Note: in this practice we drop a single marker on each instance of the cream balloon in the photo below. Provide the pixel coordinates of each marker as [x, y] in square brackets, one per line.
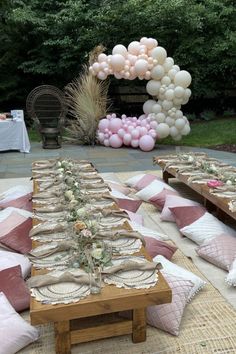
[169, 94]
[170, 121]
[174, 131]
[120, 49]
[147, 107]
[183, 78]
[160, 54]
[156, 108]
[180, 123]
[179, 91]
[186, 130]
[162, 130]
[172, 73]
[166, 80]
[102, 57]
[160, 117]
[168, 64]
[157, 72]
[117, 62]
[167, 105]
[141, 66]
[153, 87]
[133, 48]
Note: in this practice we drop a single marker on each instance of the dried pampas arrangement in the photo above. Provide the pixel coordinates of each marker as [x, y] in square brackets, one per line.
[87, 102]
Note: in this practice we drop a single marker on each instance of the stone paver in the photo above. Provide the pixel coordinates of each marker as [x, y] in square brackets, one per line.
[16, 164]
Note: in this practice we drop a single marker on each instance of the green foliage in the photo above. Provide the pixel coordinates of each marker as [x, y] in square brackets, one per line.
[47, 41]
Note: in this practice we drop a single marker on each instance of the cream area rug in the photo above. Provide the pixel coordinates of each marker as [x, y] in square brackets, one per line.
[209, 322]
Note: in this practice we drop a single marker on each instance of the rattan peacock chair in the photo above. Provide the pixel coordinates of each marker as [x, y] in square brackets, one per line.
[45, 104]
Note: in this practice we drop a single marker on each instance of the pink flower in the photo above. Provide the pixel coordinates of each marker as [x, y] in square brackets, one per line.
[214, 183]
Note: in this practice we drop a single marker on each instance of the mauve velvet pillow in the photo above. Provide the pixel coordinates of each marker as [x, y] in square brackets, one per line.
[14, 287]
[18, 238]
[155, 247]
[220, 251]
[186, 215]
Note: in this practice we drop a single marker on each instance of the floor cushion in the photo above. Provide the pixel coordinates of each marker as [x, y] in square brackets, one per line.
[186, 215]
[157, 247]
[174, 201]
[11, 259]
[141, 181]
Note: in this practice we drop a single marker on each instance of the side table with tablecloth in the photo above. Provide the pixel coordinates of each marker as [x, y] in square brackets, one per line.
[14, 136]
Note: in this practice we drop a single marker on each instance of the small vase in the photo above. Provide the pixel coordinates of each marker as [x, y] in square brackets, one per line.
[95, 280]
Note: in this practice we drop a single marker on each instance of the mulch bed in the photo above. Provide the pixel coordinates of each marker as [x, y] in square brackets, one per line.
[225, 147]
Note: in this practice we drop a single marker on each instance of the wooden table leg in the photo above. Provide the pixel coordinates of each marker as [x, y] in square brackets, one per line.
[62, 337]
[139, 325]
[166, 175]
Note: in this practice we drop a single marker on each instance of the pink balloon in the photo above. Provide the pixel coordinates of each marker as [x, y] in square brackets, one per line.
[148, 126]
[110, 133]
[125, 126]
[115, 125]
[121, 133]
[106, 130]
[115, 141]
[134, 119]
[153, 124]
[106, 135]
[130, 129]
[143, 123]
[127, 139]
[143, 131]
[106, 142]
[146, 143]
[152, 133]
[134, 143]
[135, 134]
[103, 125]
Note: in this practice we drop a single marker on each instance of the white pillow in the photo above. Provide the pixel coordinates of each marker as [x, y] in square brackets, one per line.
[12, 259]
[6, 212]
[15, 192]
[131, 182]
[173, 201]
[15, 333]
[231, 277]
[152, 189]
[145, 231]
[174, 269]
[206, 228]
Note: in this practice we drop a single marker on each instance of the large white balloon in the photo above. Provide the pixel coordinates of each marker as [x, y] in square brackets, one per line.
[162, 130]
[141, 66]
[157, 72]
[147, 107]
[120, 49]
[153, 87]
[159, 53]
[183, 78]
[117, 62]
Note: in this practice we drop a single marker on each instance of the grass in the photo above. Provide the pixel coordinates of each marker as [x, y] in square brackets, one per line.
[203, 134]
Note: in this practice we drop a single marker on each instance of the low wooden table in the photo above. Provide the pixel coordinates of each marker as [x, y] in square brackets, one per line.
[96, 316]
[210, 200]
[109, 301]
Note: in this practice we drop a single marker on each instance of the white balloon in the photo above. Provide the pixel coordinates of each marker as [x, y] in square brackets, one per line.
[141, 66]
[117, 62]
[179, 91]
[157, 72]
[185, 100]
[133, 48]
[167, 105]
[96, 67]
[174, 131]
[176, 67]
[102, 57]
[169, 94]
[147, 107]
[180, 123]
[170, 121]
[178, 114]
[187, 93]
[150, 44]
[177, 101]
[120, 49]
[156, 108]
[168, 64]
[186, 129]
[162, 130]
[153, 87]
[172, 73]
[160, 117]
[177, 137]
[166, 80]
[160, 54]
[183, 78]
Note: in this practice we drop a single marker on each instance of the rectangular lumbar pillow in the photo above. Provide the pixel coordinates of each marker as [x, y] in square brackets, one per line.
[174, 201]
[15, 332]
[186, 215]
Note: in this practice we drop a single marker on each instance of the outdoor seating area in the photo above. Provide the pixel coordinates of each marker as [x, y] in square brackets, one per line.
[196, 279]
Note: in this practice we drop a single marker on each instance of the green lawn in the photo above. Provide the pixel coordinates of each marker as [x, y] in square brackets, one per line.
[203, 134]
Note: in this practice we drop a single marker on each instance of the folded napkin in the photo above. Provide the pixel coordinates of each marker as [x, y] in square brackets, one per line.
[111, 212]
[48, 227]
[53, 247]
[48, 279]
[51, 208]
[105, 196]
[131, 265]
[114, 235]
[95, 185]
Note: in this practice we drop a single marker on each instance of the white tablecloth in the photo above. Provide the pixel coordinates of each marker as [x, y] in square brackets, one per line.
[14, 136]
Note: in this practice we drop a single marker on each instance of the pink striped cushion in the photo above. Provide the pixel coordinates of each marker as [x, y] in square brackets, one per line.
[135, 217]
[129, 204]
[156, 247]
[145, 181]
[18, 238]
[159, 199]
[186, 215]
[12, 221]
[23, 202]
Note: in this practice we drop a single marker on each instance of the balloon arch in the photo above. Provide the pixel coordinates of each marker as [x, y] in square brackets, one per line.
[166, 83]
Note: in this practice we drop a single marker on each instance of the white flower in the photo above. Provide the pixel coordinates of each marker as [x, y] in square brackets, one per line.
[60, 170]
[58, 163]
[97, 253]
[213, 168]
[190, 159]
[229, 183]
[76, 184]
[69, 195]
[81, 212]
